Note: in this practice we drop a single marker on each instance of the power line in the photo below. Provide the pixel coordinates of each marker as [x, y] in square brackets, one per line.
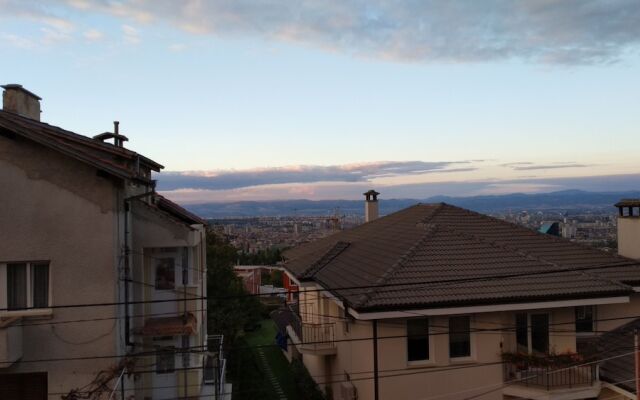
[345, 288]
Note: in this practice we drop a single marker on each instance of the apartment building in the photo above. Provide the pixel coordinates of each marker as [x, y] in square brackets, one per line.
[439, 302]
[102, 280]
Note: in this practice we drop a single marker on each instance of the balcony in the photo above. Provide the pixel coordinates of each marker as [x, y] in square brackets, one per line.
[551, 383]
[215, 365]
[312, 338]
[10, 341]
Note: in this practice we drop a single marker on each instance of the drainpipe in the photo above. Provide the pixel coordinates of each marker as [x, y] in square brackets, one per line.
[637, 358]
[375, 359]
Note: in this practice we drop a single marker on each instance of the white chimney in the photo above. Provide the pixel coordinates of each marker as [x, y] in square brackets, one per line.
[370, 205]
[629, 228]
[19, 100]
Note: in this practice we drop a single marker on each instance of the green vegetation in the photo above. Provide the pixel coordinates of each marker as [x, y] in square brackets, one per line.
[263, 257]
[230, 308]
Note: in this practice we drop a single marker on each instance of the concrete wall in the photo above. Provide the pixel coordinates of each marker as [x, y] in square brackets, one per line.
[629, 237]
[55, 208]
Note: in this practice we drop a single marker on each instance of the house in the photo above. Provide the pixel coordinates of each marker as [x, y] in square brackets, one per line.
[102, 280]
[438, 302]
[251, 276]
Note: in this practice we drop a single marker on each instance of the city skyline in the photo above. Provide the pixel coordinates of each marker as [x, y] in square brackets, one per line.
[322, 101]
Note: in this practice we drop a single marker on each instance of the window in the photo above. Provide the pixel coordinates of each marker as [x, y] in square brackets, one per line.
[522, 332]
[165, 360]
[532, 332]
[27, 285]
[540, 333]
[584, 318]
[165, 273]
[418, 339]
[459, 337]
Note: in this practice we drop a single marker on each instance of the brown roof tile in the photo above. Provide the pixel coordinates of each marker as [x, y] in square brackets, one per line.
[436, 255]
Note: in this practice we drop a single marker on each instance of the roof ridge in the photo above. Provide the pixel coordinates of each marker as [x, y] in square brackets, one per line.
[328, 256]
[429, 230]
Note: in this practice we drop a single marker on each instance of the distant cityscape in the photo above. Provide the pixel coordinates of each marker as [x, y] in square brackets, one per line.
[594, 227]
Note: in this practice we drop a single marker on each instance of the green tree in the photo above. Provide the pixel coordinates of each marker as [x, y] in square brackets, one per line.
[230, 307]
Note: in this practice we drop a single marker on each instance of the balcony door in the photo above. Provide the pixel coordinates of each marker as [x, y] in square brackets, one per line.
[532, 333]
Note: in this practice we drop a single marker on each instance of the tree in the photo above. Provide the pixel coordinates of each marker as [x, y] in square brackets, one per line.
[230, 307]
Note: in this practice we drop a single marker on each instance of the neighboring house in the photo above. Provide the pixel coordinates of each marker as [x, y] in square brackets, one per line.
[251, 276]
[424, 303]
[81, 225]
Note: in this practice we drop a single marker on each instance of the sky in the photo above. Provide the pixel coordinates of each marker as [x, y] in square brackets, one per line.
[260, 100]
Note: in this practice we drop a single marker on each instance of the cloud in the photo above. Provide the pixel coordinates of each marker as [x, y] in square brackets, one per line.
[528, 166]
[54, 28]
[16, 41]
[93, 35]
[225, 180]
[354, 190]
[130, 34]
[556, 32]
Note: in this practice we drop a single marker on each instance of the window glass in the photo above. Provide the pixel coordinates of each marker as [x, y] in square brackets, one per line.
[40, 285]
[460, 337]
[165, 273]
[165, 360]
[16, 286]
[540, 333]
[584, 318]
[522, 335]
[418, 339]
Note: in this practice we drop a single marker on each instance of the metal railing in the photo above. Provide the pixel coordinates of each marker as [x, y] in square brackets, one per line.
[215, 365]
[314, 336]
[551, 378]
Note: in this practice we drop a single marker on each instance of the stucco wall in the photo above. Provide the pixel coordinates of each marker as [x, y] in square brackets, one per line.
[55, 208]
[400, 380]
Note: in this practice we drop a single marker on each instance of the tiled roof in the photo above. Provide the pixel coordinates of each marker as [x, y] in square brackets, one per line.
[438, 255]
[614, 346]
[115, 160]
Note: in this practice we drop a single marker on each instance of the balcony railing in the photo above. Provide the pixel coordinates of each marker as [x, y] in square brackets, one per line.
[215, 365]
[314, 337]
[551, 378]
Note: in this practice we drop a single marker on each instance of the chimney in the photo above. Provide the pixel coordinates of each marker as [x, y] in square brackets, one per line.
[370, 205]
[19, 100]
[629, 228]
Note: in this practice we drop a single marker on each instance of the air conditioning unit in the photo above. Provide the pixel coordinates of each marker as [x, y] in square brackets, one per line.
[348, 391]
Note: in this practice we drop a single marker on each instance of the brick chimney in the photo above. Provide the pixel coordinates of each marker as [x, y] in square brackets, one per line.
[370, 205]
[629, 228]
[19, 100]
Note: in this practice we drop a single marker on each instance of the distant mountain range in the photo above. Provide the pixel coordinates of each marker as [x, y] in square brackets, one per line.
[564, 201]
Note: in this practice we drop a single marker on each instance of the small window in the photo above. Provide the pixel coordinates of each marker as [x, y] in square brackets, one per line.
[418, 339]
[459, 337]
[584, 319]
[165, 273]
[165, 360]
[27, 285]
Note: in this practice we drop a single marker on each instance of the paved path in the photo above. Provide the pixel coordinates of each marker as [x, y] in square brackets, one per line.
[272, 378]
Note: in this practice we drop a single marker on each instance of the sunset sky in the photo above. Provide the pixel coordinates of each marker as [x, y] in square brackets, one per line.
[308, 99]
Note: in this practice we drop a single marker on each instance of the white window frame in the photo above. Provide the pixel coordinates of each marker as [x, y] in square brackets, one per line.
[472, 342]
[430, 339]
[30, 310]
[594, 322]
[529, 328]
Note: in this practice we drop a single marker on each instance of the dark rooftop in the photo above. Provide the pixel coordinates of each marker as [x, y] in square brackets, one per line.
[438, 255]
